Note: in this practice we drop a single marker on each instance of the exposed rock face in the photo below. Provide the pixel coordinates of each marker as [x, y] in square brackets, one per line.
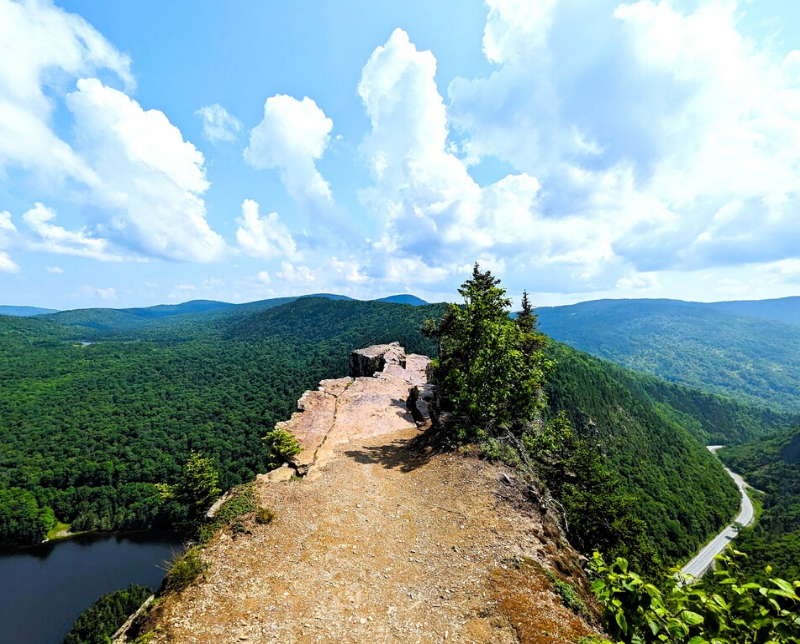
[365, 362]
[371, 403]
[383, 541]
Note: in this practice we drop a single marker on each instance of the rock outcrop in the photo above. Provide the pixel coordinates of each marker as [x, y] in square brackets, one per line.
[365, 362]
[371, 402]
[384, 540]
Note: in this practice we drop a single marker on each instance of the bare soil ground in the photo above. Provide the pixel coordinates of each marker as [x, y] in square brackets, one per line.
[387, 542]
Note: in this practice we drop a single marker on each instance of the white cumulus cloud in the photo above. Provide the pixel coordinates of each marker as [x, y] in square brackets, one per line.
[149, 180]
[437, 217]
[292, 137]
[7, 265]
[51, 238]
[42, 47]
[266, 237]
[296, 274]
[142, 182]
[662, 136]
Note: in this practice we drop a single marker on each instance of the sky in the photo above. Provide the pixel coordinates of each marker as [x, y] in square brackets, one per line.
[159, 152]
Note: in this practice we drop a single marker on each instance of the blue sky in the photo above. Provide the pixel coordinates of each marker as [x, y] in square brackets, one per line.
[245, 150]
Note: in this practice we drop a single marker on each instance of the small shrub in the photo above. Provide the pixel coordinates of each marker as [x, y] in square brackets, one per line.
[496, 450]
[146, 638]
[265, 516]
[566, 592]
[184, 570]
[281, 446]
[242, 501]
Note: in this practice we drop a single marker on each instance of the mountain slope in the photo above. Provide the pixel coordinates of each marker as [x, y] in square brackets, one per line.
[772, 465]
[743, 357]
[89, 429]
[684, 493]
[784, 309]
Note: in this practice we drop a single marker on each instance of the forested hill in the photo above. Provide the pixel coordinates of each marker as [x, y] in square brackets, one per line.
[684, 495]
[743, 357]
[88, 429]
[783, 309]
[772, 465]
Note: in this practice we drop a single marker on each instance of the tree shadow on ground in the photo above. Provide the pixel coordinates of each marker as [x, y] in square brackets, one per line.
[405, 455]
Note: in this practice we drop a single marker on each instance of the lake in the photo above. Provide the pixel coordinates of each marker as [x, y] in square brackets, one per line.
[43, 589]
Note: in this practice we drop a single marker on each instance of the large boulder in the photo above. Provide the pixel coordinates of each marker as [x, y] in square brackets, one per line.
[364, 363]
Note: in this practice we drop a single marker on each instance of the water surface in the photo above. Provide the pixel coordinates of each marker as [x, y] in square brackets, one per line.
[44, 589]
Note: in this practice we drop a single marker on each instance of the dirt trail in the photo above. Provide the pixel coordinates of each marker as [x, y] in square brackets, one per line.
[381, 542]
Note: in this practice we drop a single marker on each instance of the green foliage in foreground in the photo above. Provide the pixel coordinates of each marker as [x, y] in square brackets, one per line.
[734, 611]
[281, 446]
[184, 570]
[102, 619]
[195, 491]
[597, 513]
[773, 466]
[242, 500]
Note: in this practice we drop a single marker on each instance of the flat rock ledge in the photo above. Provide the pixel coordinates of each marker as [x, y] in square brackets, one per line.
[383, 395]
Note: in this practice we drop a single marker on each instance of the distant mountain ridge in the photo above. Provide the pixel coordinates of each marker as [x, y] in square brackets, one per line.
[137, 317]
[784, 309]
[24, 311]
[413, 300]
[749, 358]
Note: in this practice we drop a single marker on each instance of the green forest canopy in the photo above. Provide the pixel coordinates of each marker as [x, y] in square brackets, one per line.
[89, 429]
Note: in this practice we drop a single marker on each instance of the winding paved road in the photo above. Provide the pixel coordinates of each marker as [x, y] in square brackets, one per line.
[697, 566]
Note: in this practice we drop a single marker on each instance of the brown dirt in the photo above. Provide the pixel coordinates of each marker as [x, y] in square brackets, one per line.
[386, 543]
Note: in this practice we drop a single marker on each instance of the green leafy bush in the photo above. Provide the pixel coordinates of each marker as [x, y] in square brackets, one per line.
[281, 446]
[733, 611]
[568, 594]
[241, 501]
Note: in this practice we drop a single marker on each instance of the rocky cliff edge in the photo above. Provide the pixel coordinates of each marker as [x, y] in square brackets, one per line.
[382, 540]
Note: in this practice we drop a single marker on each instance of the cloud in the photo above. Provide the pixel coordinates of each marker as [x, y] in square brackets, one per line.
[139, 182]
[42, 48]
[56, 270]
[50, 238]
[662, 138]
[104, 294]
[349, 270]
[436, 216]
[292, 136]
[149, 180]
[7, 265]
[218, 124]
[296, 274]
[264, 237]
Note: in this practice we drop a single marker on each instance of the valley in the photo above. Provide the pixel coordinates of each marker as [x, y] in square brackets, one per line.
[101, 407]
